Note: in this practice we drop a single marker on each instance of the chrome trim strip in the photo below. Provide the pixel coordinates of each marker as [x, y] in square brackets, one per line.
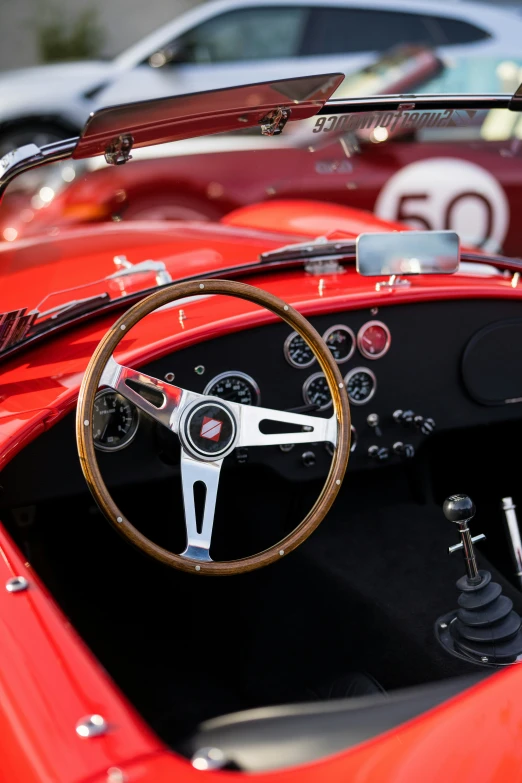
[30, 157]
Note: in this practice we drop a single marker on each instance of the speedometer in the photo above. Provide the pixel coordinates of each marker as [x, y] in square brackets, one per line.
[297, 351]
[234, 386]
[114, 422]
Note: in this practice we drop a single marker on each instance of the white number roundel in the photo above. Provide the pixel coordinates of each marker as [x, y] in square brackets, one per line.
[447, 193]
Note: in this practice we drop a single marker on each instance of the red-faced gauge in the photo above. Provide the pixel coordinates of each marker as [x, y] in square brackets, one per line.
[373, 339]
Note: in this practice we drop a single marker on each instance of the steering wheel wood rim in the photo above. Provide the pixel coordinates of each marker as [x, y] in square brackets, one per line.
[90, 387]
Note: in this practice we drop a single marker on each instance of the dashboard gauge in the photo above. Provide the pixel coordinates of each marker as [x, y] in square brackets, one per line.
[316, 391]
[234, 387]
[297, 351]
[361, 385]
[341, 341]
[373, 339]
[114, 421]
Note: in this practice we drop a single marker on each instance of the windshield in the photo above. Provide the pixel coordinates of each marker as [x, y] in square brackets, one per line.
[72, 232]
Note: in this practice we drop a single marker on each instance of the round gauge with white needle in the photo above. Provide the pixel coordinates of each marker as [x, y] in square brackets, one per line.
[115, 421]
[373, 339]
[316, 391]
[234, 386]
[297, 351]
[341, 341]
[361, 385]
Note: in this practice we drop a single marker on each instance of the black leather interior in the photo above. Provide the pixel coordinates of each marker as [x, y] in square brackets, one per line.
[276, 737]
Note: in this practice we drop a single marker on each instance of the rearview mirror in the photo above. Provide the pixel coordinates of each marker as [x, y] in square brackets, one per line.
[408, 253]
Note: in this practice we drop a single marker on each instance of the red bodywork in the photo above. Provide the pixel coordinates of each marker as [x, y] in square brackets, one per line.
[48, 679]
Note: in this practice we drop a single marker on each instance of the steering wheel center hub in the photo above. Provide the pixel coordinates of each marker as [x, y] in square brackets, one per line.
[208, 430]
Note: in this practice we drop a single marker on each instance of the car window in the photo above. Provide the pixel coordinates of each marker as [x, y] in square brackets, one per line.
[455, 31]
[351, 30]
[246, 34]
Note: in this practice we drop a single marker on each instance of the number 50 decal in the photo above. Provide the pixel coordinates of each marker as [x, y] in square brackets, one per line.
[446, 193]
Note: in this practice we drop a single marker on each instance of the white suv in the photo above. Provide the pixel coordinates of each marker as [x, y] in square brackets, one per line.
[228, 42]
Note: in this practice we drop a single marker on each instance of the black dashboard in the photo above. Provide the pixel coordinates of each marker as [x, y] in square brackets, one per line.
[423, 383]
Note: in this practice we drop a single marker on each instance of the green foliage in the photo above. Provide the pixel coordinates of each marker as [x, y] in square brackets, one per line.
[60, 36]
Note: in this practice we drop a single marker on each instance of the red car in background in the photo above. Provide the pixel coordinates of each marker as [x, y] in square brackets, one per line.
[434, 170]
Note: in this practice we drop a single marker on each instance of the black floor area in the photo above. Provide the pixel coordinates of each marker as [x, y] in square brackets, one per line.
[362, 594]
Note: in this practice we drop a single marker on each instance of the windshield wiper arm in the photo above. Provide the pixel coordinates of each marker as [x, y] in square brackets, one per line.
[317, 248]
[74, 307]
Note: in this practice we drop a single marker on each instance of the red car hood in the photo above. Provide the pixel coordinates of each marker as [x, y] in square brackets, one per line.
[30, 269]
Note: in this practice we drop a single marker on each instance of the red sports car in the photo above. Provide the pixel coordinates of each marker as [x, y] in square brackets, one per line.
[304, 387]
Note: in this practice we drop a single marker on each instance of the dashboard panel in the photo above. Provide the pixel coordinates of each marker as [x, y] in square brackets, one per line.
[418, 390]
[404, 380]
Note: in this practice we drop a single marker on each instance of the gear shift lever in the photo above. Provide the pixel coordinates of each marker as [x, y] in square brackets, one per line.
[484, 629]
[461, 510]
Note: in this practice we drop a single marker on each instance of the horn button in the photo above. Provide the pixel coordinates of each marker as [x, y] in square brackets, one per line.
[208, 430]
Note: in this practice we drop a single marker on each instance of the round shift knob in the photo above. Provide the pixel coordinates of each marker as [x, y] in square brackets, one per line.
[458, 508]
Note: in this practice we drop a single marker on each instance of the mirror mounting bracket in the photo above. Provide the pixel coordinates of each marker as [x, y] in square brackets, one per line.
[273, 123]
[119, 149]
[393, 282]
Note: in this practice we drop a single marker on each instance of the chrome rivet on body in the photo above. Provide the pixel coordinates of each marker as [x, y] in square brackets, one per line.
[119, 519]
[86, 422]
[201, 285]
[122, 326]
[209, 759]
[116, 775]
[286, 307]
[169, 377]
[281, 552]
[198, 568]
[16, 584]
[91, 726]
[338, 481]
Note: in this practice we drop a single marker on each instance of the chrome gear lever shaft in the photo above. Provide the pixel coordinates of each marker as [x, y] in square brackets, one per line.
[460, 509]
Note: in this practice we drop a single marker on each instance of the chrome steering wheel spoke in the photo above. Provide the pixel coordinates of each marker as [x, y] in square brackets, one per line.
[199, 531]
[311, 428]
[163, 401]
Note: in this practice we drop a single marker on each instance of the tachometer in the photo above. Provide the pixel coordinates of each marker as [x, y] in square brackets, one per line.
[316, 391]
[341, 341]
[297, 351]
[115, 421]
[361, 385]
[235, 387]
[374, 339]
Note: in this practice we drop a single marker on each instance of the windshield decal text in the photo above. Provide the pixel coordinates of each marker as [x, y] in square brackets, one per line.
[391, 120]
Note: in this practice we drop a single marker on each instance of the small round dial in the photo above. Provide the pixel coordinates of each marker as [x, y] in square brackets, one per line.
[341, 341]
[234, 387]
[114, 422]
[316, 391]
[361, 385]
[297, 351]
[374, 339]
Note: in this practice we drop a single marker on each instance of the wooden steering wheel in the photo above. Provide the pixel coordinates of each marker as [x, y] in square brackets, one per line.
[209, 429]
